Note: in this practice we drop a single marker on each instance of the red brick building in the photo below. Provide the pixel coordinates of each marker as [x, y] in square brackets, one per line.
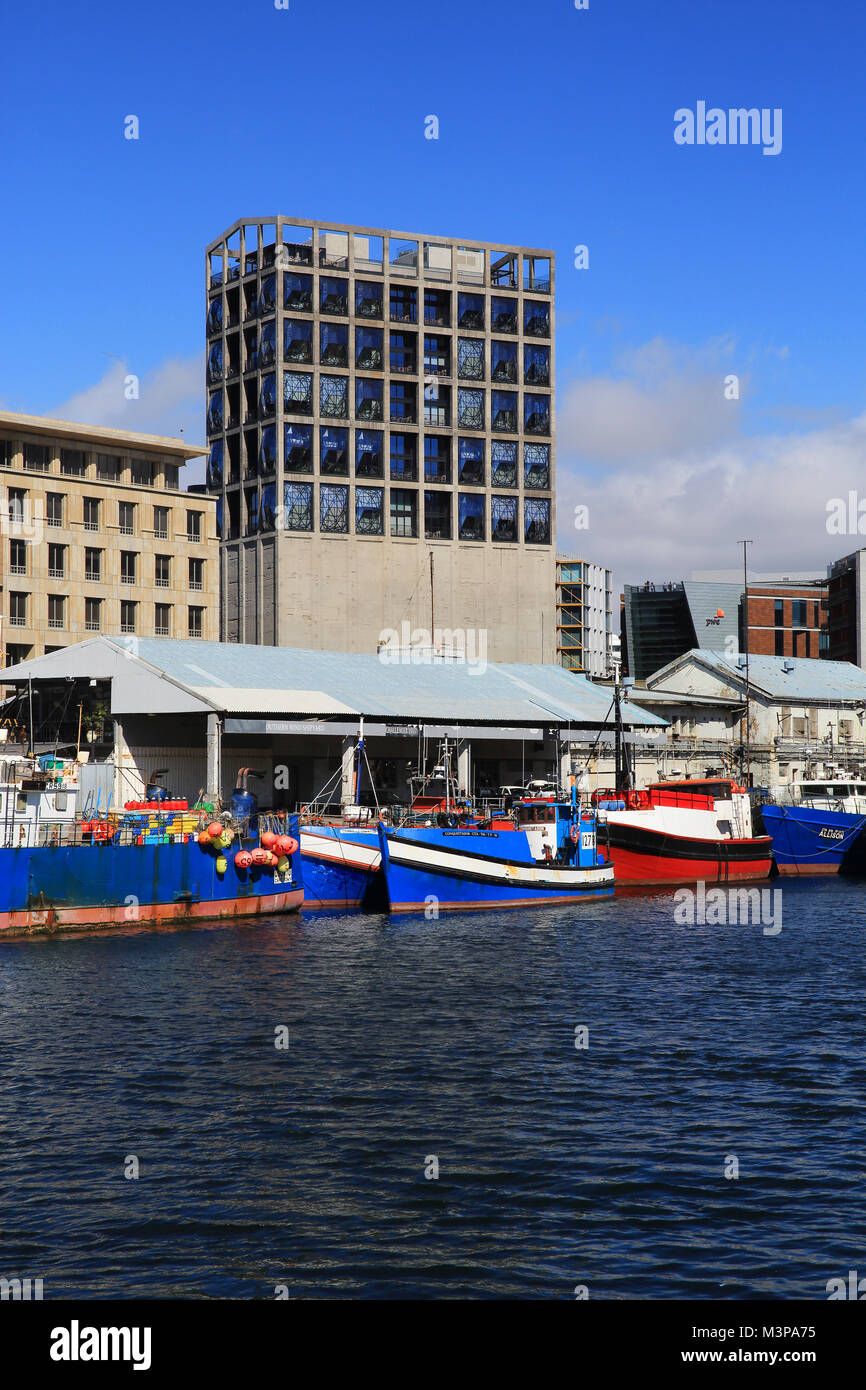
[787, 619]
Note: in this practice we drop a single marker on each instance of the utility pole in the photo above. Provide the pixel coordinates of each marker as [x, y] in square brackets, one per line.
[748, 751]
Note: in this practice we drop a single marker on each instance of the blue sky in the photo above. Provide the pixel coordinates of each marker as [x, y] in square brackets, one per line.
[556, 129]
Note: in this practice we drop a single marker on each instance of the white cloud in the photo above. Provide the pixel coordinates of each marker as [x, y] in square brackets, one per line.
[171, 399]
[672, 482]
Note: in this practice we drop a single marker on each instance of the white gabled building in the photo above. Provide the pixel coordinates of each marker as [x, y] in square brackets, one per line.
[806, 717]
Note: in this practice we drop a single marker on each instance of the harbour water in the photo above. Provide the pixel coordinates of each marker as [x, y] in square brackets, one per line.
[559, 1165]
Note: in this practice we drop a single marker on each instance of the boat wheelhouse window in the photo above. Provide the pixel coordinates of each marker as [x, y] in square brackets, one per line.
[536, 815]
[814, 789]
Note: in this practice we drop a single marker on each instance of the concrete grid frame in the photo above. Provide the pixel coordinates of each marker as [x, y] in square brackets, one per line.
[365, 337]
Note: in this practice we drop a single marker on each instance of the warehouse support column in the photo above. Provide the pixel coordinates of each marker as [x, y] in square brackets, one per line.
[464, 770]
[565, 765]
[347, 781]
[214, 758]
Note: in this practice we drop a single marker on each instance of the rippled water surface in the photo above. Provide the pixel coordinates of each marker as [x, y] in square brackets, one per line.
[602, 1166]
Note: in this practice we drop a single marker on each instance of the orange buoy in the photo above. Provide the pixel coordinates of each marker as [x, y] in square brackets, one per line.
[260, 857]
[243, 859]
[286, 845]
[268, 840]
[204, 838]
[214, 830]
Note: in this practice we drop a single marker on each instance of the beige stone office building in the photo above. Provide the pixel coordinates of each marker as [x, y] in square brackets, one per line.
[98, 537]
[374, 399]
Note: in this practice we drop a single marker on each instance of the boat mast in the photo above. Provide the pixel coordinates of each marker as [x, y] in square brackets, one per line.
[748, 748]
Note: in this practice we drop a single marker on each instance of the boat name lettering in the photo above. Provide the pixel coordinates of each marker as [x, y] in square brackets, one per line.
[827, 834]
[479, 834]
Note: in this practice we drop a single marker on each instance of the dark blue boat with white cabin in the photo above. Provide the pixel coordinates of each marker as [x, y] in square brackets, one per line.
[820, 829]
[550, 856]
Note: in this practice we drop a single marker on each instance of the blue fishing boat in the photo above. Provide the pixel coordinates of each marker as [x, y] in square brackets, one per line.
[550, 856]
[820, 831]
[61, 871]
[342, 868]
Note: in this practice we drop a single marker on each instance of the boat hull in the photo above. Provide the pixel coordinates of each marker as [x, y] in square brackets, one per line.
[342, 869]
[49, 889]
[642, 855]
[815, 841]
[446, 871]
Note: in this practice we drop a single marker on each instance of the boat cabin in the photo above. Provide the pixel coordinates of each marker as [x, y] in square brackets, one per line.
[558, 832]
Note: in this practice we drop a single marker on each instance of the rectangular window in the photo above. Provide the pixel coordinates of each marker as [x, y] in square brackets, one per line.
[404, 457]
[142, 473]
[108, 467]
[73, 462]
[18, 557]
[437, 308]
[128, 559]
[126, 518]
[403, 303]
[368, 398]
[437, 516]
[298, 506]
[368, 299]
[193, 526]
[536, 318]
[403, 401]
[368, 454]
[334, 397]
[92, 614]
[160, 523]
[298, 292]
[798, 613]
[470, 408]
[503, 314]
[93, 564]
[369, 511]
[333, 295]
[56, 561]
[470, 358]
[437, 459]
[437, 355]
[503, 409]
[333, 508]
[6, 453]
[536, 414]
[195, 624]
[503, 518]
[404, 512]
[91, 513]
[17, 609]
[56, 611]
[779, 648]
[36, 457]
[368, 349]
[299, 448]
[334, 344]
[536, 521]
[298, 393]
[503, 361]
[470, 311]
[297, 340]
[470, 514]
[54, 509]
[162, 619]
[162, 571]
[503, 463]
[437, 405]
[334, 451]
[536, 467]
[171, 473]
[127, 615]
[471, 467]
[196, 574]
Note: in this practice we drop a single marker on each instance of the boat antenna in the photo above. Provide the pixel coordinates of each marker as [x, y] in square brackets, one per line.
[748, 741]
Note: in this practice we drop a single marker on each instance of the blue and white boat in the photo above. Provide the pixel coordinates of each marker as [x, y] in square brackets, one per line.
[820, 830]
[342, 868]
[550, 856]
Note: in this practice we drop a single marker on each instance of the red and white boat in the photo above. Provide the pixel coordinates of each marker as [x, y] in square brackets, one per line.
[682, 832]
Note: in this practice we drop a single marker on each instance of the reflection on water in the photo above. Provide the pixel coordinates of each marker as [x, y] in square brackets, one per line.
[455, 1039]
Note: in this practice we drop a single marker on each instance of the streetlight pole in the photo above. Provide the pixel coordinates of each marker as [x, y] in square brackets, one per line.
[748, 750]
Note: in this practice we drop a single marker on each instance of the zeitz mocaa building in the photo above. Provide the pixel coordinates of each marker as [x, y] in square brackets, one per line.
[382, 439]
